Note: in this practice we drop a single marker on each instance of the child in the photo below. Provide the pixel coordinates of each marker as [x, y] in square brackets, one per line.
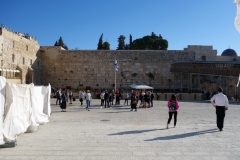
[173, 107]
[134, 105]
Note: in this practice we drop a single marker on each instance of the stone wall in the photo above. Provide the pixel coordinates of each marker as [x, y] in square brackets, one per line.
[79, 68]
[201, 51]
[19, 52]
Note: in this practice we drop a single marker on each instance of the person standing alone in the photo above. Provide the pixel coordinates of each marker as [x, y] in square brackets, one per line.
[173, 107]
[220, 102]
[88, 99]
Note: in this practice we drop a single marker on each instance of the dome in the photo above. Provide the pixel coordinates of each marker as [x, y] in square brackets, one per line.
[229, 52]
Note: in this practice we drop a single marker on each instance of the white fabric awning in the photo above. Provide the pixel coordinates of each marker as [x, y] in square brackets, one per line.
[9, 70]
[135, 86]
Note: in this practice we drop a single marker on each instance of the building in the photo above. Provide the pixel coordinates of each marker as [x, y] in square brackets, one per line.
[195, 69]
[18, 56]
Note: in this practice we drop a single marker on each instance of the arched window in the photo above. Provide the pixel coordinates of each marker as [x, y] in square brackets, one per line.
[203, 58]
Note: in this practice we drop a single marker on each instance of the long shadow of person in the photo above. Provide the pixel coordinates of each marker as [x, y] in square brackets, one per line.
[134, 132]
[184, 135]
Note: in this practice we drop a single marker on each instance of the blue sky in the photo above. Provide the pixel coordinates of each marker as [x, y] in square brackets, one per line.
[81, 22]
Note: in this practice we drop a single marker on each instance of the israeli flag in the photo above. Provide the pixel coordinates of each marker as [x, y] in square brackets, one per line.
[116, 65]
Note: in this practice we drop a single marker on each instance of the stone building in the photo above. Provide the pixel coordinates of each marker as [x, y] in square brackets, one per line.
[195, 69]
[18, 57]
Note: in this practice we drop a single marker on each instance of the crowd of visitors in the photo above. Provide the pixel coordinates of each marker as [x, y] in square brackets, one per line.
[142, 99]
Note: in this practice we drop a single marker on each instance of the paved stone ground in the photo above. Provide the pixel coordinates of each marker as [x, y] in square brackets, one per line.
[117, 133]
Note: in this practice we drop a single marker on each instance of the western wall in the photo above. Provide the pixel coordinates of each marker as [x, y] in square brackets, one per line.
[94, 69]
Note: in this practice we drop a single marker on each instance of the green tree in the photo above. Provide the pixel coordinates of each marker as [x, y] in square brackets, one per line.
[100, 42]
[106, 46]
[130, 42]
[61, 43]
[151, 42]
[127, 47]
[121, 42]
[56, 43]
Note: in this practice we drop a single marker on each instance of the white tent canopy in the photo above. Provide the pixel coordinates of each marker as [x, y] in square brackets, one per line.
[22, 108]
[135, 86]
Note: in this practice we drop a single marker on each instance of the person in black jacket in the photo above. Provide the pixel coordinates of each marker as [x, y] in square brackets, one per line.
[151, 99]
[63, 105]
[106, 99]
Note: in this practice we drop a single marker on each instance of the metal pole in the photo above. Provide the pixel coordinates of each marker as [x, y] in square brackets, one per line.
[115, 80]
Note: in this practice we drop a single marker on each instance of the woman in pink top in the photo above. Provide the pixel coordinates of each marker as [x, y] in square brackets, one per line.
[173, 107]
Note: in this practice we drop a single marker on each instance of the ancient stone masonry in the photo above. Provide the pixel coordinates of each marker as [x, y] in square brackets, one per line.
[18, 54]
[80, 68]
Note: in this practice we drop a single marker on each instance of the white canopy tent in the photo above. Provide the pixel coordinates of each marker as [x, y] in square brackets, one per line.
[22, 108]
[2, 102]
[135, 86]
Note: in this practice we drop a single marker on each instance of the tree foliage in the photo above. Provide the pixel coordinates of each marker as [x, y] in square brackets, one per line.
[130, 42]
[103, 45]
[151, 42]
[100, 42]
[61, 43]
[121, 42]
[106, 46]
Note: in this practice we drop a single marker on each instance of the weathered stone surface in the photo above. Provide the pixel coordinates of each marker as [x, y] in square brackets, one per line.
[19, 52]
[96, 67]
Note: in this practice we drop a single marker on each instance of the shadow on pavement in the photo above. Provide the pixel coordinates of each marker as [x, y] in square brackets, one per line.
[185, 135]
[134, 132]
[116, 112]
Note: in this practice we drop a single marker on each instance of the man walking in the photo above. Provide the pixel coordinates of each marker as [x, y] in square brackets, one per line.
[220, 102]
[81, 96]
[58, 95]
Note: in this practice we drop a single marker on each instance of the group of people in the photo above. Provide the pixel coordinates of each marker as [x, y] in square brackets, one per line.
[219, 101]
[64, 97]
[144, 97]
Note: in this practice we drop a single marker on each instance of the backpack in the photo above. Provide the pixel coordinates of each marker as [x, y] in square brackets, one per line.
[172, 106]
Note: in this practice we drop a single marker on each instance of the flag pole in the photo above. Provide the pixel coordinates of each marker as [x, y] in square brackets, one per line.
[116, 69]
[115, 80]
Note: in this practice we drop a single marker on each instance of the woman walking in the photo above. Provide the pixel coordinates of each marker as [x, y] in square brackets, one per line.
[63, 105]
[88, 99]
[173, 107]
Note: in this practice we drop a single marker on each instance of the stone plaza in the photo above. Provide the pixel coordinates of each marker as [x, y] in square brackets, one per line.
[116, 133]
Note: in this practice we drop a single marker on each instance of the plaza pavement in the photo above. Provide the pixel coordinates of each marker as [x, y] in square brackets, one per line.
[117, 133]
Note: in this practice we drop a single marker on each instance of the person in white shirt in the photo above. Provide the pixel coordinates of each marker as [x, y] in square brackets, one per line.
[88, 99]
[81, 96]
[102, 98]
[220, 102]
